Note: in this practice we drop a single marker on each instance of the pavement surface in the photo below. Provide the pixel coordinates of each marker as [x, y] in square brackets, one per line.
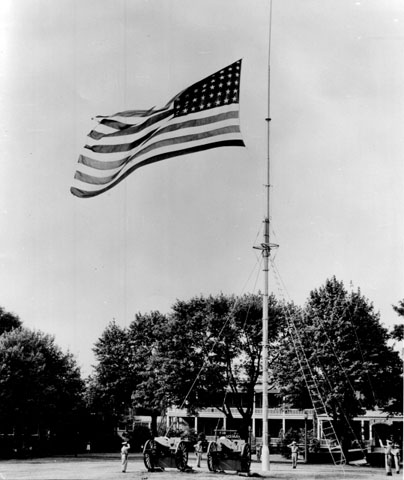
[107, 467]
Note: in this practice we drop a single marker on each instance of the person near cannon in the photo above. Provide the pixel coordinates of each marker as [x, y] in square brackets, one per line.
[295, 451]
[124, 456]
[199, 450]
[395, 452]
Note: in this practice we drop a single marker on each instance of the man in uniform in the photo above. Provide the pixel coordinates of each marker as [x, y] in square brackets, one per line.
[124, 455]
[295, 450]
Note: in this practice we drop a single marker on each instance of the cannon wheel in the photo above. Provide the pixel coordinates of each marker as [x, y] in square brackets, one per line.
[212, 457]
[149, 452]
[181, 457]
[245, 458]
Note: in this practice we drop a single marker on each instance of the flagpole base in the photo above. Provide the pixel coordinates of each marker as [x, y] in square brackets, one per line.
[265, 465]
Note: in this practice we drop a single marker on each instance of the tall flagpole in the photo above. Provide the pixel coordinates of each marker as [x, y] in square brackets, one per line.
[266, 251]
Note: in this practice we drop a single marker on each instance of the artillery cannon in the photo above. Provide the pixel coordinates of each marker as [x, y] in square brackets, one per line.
[229, 452]
[164, 452]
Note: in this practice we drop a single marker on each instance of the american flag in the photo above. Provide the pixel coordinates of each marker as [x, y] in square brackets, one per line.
[204, 115]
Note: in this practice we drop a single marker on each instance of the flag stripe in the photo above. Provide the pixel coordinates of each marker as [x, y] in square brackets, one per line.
[201, 117]
[115, 144]
[190, 138]
[121, 147]
[98, 165]
[150, 154]
[109, 168]
[162, 142]
[129, 113]
[129, 129]
[163, 156]
[157, 145]
[110, 160]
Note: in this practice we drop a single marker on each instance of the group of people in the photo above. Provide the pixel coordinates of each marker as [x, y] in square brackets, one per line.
[392, 452]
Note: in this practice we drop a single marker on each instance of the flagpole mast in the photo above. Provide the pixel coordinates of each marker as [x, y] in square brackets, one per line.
[266, 251]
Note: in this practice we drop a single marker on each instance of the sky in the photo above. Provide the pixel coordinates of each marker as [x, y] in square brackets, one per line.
[187, 226]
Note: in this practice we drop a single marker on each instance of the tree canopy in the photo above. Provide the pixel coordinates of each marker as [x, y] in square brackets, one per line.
[346, 347]
[206, 352]
[8, 321]
[215, 344]
[40, 386]
[111, 385]
[125, 375]
[397, 332]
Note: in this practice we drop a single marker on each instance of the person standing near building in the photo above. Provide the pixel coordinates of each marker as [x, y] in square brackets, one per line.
[295, 451]
[124, 455]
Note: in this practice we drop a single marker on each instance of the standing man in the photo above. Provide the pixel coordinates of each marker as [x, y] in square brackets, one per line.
[295, 450]
[124, 455]
[395, 451]
[388, 456]
[199, 449]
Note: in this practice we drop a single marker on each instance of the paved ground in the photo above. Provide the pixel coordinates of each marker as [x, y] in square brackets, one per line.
[107, 467]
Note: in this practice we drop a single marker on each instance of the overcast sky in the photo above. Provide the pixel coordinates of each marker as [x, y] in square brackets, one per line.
[187, 226]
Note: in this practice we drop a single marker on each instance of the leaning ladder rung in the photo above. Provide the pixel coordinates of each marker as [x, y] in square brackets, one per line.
[337, 458]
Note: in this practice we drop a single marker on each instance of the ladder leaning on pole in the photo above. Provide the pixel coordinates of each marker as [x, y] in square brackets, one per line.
[328, 431]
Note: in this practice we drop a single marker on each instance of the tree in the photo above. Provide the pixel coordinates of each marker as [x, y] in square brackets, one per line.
[112, 382]
[148, 335]
[397, 332]
[399, 308]
[40, 386]
[346, 346]
[8, 321]
[125, 375]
